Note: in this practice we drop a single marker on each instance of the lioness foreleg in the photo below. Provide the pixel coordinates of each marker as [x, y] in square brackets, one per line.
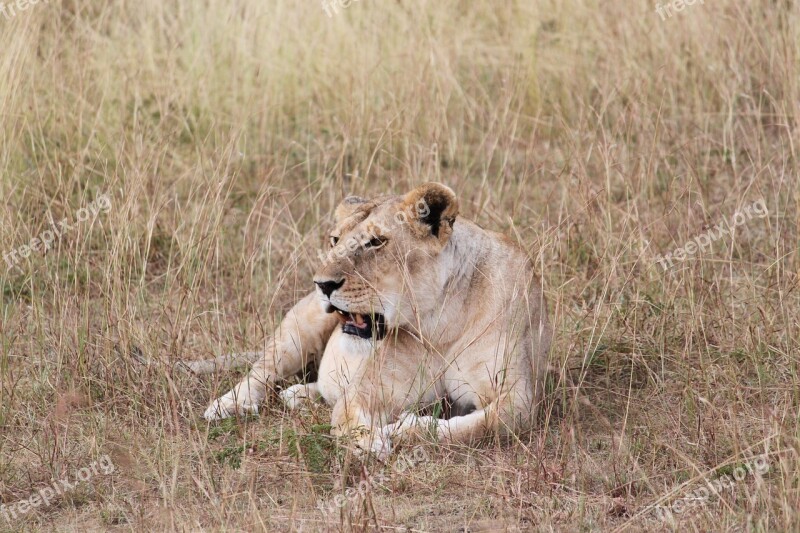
[366, 416]
[502, 416]
[506, 389]
[301, 335]
[299, 395]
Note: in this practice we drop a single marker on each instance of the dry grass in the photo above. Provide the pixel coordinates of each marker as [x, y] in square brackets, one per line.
[595, 133]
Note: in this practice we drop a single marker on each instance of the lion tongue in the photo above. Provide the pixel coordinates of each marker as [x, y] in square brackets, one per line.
[359, 320]
[355, 319]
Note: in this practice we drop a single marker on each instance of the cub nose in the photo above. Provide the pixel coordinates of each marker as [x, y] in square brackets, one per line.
[327, 287]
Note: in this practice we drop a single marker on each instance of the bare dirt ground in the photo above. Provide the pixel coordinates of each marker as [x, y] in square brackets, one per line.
[196, 150]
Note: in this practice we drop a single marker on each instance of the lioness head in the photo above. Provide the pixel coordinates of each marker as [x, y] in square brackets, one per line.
[382, 269]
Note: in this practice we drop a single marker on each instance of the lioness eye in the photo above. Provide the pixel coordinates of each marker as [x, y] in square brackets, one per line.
[376, 242]
[334, 240]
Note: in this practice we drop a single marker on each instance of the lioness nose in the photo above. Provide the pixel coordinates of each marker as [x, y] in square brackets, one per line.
[327, 287]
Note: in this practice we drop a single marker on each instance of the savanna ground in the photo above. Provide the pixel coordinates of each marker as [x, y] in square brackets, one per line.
[595, 133]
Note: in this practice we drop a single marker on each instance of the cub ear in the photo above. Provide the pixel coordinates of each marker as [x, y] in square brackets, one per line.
[434, 206]
[348, 206]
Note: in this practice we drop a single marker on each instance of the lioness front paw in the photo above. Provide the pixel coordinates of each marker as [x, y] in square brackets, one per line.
[296, 396]
[411, 426]
[226, 406]
[408, 422]
[377, 444]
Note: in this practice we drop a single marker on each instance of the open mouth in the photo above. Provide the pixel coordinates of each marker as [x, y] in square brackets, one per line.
[361, 325]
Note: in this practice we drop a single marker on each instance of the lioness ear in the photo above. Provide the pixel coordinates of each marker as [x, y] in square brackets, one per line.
[348, 206]
[435, 206]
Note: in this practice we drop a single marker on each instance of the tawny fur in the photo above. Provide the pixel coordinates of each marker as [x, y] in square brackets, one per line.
[465, 315]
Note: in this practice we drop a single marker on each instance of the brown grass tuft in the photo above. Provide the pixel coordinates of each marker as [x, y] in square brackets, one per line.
[594, 133]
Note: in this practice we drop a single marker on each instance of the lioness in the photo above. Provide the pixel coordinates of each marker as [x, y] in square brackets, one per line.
[411, 305]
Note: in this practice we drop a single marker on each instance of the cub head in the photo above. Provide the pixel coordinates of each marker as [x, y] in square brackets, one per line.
[383, 265]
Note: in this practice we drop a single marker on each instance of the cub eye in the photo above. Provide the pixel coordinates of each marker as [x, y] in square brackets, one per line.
[334, 240]
[375, 242]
